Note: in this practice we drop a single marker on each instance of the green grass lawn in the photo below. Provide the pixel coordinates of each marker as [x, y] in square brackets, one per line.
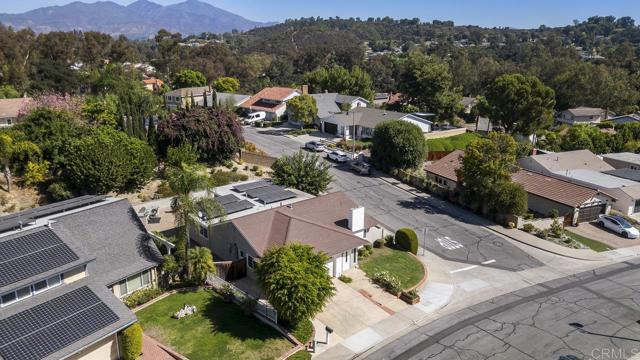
[592, 244]
[400, 263]
[458, 142]
[217, 331]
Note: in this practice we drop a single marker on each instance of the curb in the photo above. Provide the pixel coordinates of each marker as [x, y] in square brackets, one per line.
[424, 277]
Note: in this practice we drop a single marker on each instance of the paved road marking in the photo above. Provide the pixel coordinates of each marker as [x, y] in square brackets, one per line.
[463, 269]
[449, 244]
[488, 262]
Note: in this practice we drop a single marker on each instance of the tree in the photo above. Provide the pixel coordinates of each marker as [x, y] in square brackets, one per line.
[214, 132]
[303, 109]
[521, 104]
[428, 84]
[340, 80]
[6, 153]
[109, 160]
[189, 78]
[398, 144]
[294, 279]
[200, 264]
[35, 172]
[8, 92]
[226, 84]
[170, 268]
[303, 171]
[101, 110]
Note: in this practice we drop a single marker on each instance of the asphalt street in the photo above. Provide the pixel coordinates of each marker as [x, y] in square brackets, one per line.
[534, 322]
[451, 233]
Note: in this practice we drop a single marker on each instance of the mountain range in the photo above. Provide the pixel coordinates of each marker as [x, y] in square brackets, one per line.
[141, 19]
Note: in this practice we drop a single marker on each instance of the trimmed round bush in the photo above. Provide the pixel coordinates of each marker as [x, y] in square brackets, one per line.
[378, 243]
[132, 342]
[407, 240]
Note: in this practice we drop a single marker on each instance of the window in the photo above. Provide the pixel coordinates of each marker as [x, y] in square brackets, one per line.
[8, 298]
[134, 283]
[250, 262]
[353, 255]
[40, 286]
[346, 256]
[54, 281]
[146, 278]
[8, 121]
[24, 293]
[241, 254]
[204, 232]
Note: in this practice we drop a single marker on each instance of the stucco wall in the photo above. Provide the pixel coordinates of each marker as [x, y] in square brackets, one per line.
[105, 349]
[74, 275]
[545, 206]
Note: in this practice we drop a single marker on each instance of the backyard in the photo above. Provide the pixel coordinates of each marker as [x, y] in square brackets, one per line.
[457, 142]
[217, 331]
[405, 267]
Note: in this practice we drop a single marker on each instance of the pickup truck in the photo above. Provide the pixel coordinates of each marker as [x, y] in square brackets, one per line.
[361, 168]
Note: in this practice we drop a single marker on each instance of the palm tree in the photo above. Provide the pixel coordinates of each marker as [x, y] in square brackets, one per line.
[200, 264]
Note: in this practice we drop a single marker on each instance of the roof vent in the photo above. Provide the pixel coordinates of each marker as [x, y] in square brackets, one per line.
[49, 224]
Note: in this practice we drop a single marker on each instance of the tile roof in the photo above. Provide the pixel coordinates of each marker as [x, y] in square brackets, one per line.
[446, 167]
[11, 107]
[319, 222]
[554, 189]
[271, 93]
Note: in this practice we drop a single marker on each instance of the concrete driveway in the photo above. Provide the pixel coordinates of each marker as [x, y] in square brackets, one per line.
[612, 239]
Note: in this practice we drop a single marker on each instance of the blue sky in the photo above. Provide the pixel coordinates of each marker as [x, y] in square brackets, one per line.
[513, 13]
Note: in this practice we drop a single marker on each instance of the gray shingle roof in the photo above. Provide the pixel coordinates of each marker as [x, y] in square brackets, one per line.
[326, 103]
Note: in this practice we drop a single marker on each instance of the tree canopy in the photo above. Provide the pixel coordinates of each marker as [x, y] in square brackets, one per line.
[398, 144]
[340, 80]
[303, 171]
[226, 84]
[189, 78]
[303, 109]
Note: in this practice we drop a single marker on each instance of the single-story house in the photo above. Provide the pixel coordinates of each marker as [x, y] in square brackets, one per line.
[333, 224]
[63, 269]
[625, 173]
[623, 119]
[582, 115]
[623, 160]
[365, 120]
[178, 99]
[574, 202]
[552, 163]
[10, 109]
[333, 103]
[153, 84]
[272, 100]
[230, 99]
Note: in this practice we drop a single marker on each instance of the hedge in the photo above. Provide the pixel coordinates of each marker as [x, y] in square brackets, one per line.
[407, 240]
[141, 296]
[132, 342]
[303, 331]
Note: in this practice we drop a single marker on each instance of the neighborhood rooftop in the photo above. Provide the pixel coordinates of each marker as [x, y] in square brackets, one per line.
[578, 159]
[627, 157]
[558, 190]
[447, 166]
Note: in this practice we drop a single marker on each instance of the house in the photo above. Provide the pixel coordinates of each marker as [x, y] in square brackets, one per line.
[153, 84]
[365, 120]
[582, 115]
[10, 109]
[552, 163]
[468, 103]
[333, 224]
[230, 99]
[625, 173]
[329, 104]
[623, 160]
[272, 100]
[179, 98]
[623, 119]
[575, 203]
[63, 268]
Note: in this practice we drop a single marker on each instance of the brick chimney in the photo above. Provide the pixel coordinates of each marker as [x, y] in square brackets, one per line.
[305, 89]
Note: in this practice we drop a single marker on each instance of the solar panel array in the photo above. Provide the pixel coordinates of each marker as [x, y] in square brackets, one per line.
[278, 195]
[227, 199]
[252, 185]
[32, 254]
[51, 326]
[12, 221]
[254, 193]
[237, 206]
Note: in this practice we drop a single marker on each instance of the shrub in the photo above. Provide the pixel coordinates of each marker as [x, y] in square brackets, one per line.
[164, 190]
[132, 342]
[300, 355]
[255, 168]
[407, 240]
[141, 296]
[35, 172]
[235, 169]
[303, 331]
[228, 164]
[363, 253]
[398, 143]
[259, 172]
[387, 281]
[4, 200]
[528, 227]
[555, 213]
[345, 279]
[226, 291]
[413, 294]
[221, 178]
[245, 168]
[59, 191]
[389, 240]
[248, 305]
[528, 216]
[378, 243]
[556, 229]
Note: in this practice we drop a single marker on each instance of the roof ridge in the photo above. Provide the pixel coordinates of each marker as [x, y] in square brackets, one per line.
[345, 232]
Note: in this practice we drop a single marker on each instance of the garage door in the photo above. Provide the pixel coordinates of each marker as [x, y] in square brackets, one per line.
[590, 213]
[331, 128]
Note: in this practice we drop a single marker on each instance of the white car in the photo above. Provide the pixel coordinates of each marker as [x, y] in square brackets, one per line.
[618, 225]
[314, 146]
[255, 116]
[338, 156]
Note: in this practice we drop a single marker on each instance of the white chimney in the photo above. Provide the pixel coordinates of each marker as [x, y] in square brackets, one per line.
[356, 220]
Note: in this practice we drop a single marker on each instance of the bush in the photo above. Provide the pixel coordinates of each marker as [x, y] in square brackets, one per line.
[226, 291]
[228, 164]
[245, 168]
[389, 240]
[303, 331]
[132, 342]
[248, 305]
[398, 144]
[255, 168]
[413, 294]
[387, 281]
[221, 178]
[556, 229]
[235, 169]
[141, 296]
[59, 191]
[378, 243]
[363, 253]
[164, 190]
[528, 216]
[300, 355]
[345, 279]
[259, 172]
[407, 240]
[528, 227]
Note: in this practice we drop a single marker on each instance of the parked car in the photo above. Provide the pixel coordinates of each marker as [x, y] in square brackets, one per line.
[618, 225]
[338, 156]
[255, 116]
[361, 167]
[314, 146]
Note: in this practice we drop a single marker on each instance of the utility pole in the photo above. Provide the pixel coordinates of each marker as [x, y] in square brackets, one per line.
[353, 116]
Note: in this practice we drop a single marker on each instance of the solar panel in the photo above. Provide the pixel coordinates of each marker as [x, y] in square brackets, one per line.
[275, 196]
[251, 185]
[32, 254]
[254, 193]
[227, 199]
[237, 206]
[51, 326]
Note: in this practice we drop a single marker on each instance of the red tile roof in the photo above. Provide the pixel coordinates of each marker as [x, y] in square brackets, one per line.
[446, 167]
[272, 93]
[557, 190]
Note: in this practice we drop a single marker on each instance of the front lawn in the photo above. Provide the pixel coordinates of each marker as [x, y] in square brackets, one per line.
[217, 331]
[401, 264]
[592, 244]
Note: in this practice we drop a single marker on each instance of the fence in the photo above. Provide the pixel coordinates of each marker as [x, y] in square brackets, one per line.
[257, 159]
[262, 306]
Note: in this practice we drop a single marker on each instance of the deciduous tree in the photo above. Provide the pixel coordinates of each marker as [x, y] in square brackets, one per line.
[303, 109]
[398, 144]
[303, 171]
[189, 78]
[226, 84]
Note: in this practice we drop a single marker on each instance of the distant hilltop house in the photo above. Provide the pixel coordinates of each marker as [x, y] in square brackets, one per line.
[153, 84]
[271, 100]
[583, 115]
[468, 103]
[623, 119]
[10, 109]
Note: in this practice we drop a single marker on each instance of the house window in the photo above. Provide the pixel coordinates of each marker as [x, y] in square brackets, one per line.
[32, 289]
[134, 283]
[40, 286]
[250, 262]
[9, 298]
[353, 255]
[8, 121]
[204, 232]
[346, 256]
[241, 254]
[24, 293]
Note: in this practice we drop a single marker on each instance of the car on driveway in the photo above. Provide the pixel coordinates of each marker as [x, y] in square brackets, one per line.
[619, 225]
[338, 156]
[314, 146]
[361, 167]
